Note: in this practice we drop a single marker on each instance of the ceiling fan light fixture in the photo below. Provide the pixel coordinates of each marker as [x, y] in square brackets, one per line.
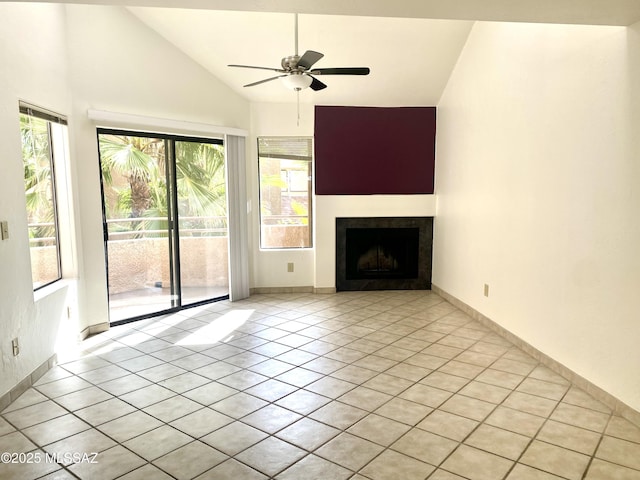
[297, 81]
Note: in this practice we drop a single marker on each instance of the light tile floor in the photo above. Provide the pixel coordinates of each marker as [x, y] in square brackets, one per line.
[376, 385]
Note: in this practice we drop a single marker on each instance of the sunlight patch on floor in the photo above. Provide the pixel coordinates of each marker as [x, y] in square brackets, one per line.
[220, 329]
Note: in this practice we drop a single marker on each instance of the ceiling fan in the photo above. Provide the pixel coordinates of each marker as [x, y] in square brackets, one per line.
[296, 71]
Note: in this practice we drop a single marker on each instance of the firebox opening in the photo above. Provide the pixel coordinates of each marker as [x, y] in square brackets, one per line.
[379, 253]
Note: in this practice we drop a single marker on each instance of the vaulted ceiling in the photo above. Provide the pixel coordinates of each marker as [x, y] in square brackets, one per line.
[410, 59]
[411, 46]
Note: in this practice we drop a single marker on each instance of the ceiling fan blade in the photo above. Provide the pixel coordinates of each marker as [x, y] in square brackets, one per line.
[341, 71]
[309, 58]
[263, 81]
[317, 85]
[259, 68]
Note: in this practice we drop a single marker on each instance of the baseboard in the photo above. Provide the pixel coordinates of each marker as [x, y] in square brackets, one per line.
[27, 382]
[324, 290]
[94, 329]
[261, 290]
[266, 290]
[615, 404]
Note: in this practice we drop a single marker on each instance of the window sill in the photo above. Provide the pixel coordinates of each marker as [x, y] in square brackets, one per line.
[52, 289]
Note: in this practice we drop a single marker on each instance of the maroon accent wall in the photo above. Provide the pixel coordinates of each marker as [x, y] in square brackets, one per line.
[374, 150]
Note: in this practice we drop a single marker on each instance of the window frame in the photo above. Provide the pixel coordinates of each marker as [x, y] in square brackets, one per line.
[50, 118]
[309, 191]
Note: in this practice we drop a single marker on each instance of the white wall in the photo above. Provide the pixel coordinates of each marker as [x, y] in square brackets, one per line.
[269, 267]
[118, 64]
[537, 177]
[33, 59]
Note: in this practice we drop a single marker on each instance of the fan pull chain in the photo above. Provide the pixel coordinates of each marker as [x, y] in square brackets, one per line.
[298, 102]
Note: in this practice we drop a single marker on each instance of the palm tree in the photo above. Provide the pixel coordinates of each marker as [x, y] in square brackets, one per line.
[36, 156]
[140, 164]
[200, 178]
[138, 160]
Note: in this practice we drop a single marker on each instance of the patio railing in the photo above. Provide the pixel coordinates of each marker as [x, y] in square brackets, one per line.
[143, 227]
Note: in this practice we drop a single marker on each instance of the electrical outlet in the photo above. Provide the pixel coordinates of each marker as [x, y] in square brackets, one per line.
[15, 346]
[4, 230]
[486, 289]
[290, 267]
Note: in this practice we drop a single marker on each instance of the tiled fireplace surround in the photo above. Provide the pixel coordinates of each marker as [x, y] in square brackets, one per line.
[410, 244]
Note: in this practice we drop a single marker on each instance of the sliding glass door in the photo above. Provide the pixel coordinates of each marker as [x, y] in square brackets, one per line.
[165, 222]
[202, 221]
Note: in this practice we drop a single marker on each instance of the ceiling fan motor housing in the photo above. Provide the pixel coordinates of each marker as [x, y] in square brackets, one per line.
[290, 63]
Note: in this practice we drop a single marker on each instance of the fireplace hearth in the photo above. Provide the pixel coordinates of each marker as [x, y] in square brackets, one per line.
[383, 253]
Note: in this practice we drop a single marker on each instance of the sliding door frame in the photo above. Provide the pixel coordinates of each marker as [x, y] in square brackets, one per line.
[172, 217]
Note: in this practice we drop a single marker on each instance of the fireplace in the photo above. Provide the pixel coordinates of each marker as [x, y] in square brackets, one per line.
[382, 253]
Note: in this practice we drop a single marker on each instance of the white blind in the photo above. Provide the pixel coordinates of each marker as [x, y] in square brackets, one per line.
[238, 218]
[287, 148]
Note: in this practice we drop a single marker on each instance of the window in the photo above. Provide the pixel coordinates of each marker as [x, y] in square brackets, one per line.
[43, 135]
[284, 165]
